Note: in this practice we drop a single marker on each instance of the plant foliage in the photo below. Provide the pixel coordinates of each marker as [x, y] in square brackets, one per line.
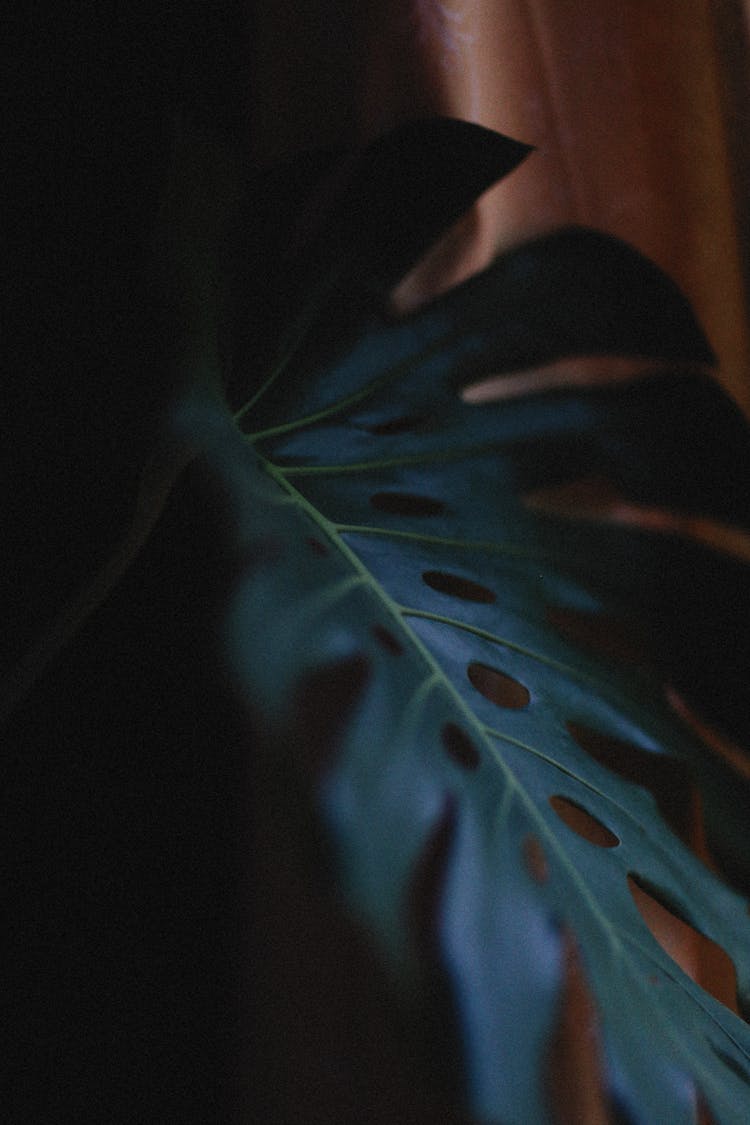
[460, 635]
[469, 659]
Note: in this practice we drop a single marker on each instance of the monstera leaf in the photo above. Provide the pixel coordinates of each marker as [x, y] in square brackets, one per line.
[492, 620]
[485, 620]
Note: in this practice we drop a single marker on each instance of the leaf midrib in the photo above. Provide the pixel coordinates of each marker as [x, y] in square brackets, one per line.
[619, 941]
[437, 674]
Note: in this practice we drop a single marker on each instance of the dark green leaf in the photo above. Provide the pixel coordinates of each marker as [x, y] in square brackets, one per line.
[392, 551]
[373, 213]
[332, 229]
[409, 186]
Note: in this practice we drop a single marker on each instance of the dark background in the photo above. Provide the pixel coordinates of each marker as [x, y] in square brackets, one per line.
[124, 915]
[86, 371]
[173, 950]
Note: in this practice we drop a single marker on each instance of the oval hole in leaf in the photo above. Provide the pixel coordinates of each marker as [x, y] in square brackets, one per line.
[459, 746]
[497, 687]
[323, 703]
[702, 959]
[575, 1079]
[458, 587]
[535, 859]
[666, 778]
[386, 640]
[406, 504]
[407, 423]
[616, 638]
[583, 823]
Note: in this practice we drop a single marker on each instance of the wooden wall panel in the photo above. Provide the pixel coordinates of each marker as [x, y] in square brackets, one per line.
[626, 102]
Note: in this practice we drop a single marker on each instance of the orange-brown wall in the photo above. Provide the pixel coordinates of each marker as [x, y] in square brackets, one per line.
[627, 103]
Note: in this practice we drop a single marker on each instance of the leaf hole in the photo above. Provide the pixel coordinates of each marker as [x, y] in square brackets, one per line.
[535, 859]
[669, 781]
[666, 778]
[608, 635]
[458, 587]
[387, 640]
[702, 959]
[401, 424]
[406, 504]
[460, 747]
[574, 1072]
[583, 823]
[497, 687]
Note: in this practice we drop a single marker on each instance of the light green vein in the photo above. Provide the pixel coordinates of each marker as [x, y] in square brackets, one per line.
[503, 810]
[486, 545]
[437, 673]
[625, 938]
[618, 939]
[337, 407]
[435, 457]
[553, 842]
[491, 732]
[418, 699]
[565, 669]
[320, 415]
[327, 597]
